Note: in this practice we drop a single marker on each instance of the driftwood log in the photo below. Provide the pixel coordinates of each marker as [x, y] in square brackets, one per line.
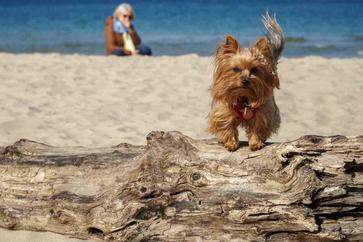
[179, 189]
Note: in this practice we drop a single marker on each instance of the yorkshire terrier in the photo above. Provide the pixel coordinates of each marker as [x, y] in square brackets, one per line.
[243, 86]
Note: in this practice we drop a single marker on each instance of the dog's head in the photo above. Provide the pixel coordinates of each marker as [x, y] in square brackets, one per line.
[248, 72]
[244, 72]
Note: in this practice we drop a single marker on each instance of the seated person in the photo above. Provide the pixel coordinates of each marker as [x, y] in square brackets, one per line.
[121, 38]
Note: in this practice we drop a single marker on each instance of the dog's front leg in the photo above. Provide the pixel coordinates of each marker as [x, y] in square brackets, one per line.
[224, 125]
[254, 141]
[257, 132]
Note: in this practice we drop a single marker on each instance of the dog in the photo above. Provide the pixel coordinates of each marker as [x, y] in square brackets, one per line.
[243, 86]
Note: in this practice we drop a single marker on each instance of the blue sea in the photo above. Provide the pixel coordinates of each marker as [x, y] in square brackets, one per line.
[329, 28]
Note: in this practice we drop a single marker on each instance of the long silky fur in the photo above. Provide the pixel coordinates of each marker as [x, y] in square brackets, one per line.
[263, 55]
[274, 35]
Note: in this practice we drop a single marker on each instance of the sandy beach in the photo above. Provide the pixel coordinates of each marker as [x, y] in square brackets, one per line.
[76, 100]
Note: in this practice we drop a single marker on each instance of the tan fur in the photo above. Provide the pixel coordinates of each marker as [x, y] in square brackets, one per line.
[233, 64]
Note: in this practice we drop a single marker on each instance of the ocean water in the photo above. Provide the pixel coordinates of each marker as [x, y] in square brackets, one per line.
[330, 28]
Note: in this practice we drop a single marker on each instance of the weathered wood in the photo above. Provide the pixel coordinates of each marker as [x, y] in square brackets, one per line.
[180, 189]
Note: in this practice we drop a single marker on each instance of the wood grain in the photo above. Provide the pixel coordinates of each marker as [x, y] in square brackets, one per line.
[179, 189]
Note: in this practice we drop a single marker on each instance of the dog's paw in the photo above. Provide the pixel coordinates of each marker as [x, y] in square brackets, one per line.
[231, 146]
[256, 145]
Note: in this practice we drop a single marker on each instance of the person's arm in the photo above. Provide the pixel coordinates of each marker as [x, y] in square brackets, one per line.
[110, 43]
[134, 36]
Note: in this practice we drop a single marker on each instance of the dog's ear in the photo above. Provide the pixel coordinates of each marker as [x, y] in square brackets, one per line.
[228, 46]
[263, 45]
[276, 81]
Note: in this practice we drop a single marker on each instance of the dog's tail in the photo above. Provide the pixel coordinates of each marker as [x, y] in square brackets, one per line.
[274, 35]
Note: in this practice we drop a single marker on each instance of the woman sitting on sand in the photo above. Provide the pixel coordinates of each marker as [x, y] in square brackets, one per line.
[121, 38]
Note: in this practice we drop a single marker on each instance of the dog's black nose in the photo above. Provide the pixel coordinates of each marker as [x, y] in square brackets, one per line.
[245, 82]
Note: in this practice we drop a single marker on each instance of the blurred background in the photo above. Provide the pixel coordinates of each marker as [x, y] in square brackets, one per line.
[330, 28]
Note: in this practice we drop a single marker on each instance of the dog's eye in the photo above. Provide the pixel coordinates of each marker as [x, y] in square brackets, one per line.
[236, 69]
[253, 70]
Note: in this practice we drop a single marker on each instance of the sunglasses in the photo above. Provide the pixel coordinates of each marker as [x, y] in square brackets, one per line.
[127, 16]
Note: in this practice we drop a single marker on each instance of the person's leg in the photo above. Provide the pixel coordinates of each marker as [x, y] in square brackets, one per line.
[144, 50]
[118, 52]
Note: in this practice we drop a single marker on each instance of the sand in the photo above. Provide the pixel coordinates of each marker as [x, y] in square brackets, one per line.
[69, 100]
[72, 100]
[29, 236]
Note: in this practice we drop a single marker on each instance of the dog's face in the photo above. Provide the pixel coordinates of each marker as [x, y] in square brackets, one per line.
[244, 72]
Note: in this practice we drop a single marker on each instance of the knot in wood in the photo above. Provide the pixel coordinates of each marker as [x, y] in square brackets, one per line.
[198, 179]
[143, 189]
[196, 176]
